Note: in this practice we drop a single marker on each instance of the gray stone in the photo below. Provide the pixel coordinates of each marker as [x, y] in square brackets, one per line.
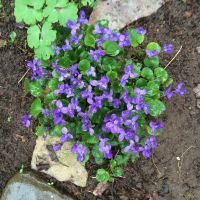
[62, 165]
[28, 187]
[122, 12]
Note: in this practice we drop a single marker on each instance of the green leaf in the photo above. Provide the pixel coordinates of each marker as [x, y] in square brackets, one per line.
[60, 11]
[41, 40]
[153, 62]
[153, 88]
[35, 89]
[161, 74]
[111, 48]
[53, 84]
[56, 132]
[122, 159]
[135, 38]
[89, 40]
[28, 11]
[103, 23]
[102, 175]
[156, 107]
[118, 172]
[98, 156]
[84, 65]
[109, 63]
[36, 108]
[112, 75]
[49, 97]
[40, 130]
[141, 83]
[113, 164]
[153, 46]
[13, 35]
[168, 83]
[147, 73]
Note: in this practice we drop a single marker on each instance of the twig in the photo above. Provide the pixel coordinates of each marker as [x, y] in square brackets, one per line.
[23, 76]
[180, 160]
[173, 57]
[156, 165]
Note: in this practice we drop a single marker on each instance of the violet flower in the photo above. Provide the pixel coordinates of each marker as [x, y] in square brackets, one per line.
[114, 124]
[25, 120]
[102, 83]
[155, 126]
[36, 69]
[132, 123]
[105, 148]
[80, 150]
[82, 17]
[180, 90]
[168, 92]
[141, 31]
[87, 94]
[96, 54]
[57, 147]
[91, 72]
[168, 48]
[66, 135]
[66, 47]
[46, 112]
[151, 54]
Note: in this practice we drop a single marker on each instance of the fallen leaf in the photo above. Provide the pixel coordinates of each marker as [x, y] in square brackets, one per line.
[100, 189]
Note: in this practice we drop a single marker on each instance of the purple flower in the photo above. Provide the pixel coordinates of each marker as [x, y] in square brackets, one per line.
[114, 124]
[66, 135]
[180, 90]
[168, 48]
[58, 117]
[98, 30]
[74, 29]
[150, 143]
[141, 31]
[105, 148]
[116, 103]
[80, 150]
[66, 47]
[151, 54]
[131, 148]
[36, 68]
[168, 92]
[91, 72]
[56, 50]
[102, 83]
[108, 96]
[70, 24]
[82, 17]
[96, 105]
[96, 54]
[126, 114]
[74, 39]
[57, 147]
[25, 120]
[87, 94]
[132, 123]
[155, 126]
[124, 40]
[138, 92]
[46, 112]
[129, 71]
[123, 80]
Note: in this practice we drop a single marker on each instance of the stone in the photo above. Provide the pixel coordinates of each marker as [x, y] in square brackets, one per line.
[28, 187]
[196, 90]
[61, 165]
[122, 12]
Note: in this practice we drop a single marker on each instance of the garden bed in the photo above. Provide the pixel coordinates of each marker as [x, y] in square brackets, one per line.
[175, 163]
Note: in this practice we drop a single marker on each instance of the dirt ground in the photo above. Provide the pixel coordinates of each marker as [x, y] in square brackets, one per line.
[173, 173]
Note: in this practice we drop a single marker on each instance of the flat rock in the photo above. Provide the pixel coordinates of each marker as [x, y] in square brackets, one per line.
[196, 90]
[122, 12]
[62, 165]
[28, 187]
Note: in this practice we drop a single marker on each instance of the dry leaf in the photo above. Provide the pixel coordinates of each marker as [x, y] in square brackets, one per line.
[100, 189]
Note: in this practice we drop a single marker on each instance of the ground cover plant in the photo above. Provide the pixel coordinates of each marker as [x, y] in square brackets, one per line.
[92, 94]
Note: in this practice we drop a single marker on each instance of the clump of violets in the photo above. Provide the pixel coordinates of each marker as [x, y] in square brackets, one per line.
[106, 105]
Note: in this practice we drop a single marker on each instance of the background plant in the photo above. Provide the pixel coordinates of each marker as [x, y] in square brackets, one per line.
[92, 94]
[41, 17]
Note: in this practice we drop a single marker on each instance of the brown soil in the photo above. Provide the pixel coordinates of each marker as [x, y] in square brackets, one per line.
[162, 177]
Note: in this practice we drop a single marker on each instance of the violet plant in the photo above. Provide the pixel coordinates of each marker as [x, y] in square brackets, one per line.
[92, 94]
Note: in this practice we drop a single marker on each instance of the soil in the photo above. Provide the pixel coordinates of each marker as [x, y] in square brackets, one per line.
[173, 173]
